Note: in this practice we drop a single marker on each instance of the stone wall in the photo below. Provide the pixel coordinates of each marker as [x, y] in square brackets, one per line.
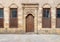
[37, 12]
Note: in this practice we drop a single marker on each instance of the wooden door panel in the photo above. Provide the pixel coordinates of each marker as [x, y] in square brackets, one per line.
[29, 23]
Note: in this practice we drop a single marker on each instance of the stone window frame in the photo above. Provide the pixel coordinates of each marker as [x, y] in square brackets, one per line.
[13, 5]
[2, 7]
[47, 5]
[58, 6]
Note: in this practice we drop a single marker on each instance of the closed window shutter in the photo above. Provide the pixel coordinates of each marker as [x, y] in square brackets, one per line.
[58, 18]
[46, 20]
[1, 18]
[13, 18]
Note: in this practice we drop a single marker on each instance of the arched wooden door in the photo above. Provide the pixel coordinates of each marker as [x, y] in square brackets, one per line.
[30, 23]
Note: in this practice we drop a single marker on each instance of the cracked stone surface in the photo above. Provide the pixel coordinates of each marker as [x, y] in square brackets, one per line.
[29, 38]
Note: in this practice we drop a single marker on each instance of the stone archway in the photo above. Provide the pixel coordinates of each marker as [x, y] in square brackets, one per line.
[29, 23]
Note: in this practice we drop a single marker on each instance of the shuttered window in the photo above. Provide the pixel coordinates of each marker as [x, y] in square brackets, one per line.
[46, 19]
[13, 18]
[1, 18]
[58, 18]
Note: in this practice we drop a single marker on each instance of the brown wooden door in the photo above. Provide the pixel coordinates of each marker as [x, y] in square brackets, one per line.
[30, 23]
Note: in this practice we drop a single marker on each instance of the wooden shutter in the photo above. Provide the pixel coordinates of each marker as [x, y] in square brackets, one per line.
[58, 18]
[13, 18]
[46, 19]
[1, 18]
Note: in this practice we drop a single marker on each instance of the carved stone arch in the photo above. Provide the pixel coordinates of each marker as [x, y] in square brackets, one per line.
[46, 5]
[13, 5]
[29, 12]
[1, 6]
[58, 5]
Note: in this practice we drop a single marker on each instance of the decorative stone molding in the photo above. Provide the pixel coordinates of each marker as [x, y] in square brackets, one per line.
[1, 6]
[58, 6]
[26, 5]
[13, 6]
[46, 5]
[30, 9]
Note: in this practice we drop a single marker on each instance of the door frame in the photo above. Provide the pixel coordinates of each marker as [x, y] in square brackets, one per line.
[35, 23]
[30, 9]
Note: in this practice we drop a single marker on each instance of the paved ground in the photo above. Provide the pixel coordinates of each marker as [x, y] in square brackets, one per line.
[29, 38]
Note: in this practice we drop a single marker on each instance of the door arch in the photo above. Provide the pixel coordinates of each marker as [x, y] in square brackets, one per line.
[29, 23]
